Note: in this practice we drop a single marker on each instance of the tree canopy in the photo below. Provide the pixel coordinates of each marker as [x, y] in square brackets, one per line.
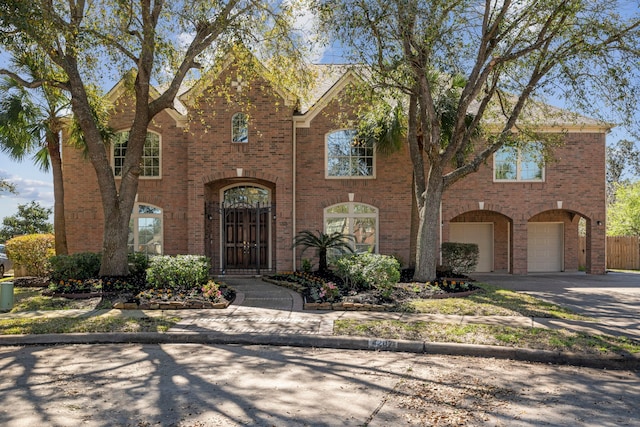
[162, 43]
[494, 60]
[623, 215]
[30, 219]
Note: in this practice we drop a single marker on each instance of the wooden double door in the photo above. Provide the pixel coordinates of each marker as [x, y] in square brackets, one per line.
[246, 238]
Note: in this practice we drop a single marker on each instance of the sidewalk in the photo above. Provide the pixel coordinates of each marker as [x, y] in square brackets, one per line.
[271, 315]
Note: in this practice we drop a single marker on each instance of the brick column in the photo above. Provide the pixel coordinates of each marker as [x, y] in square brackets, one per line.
[519, 245]
[596, 247]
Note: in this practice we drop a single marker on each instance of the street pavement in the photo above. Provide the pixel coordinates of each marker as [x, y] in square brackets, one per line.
[196, 385]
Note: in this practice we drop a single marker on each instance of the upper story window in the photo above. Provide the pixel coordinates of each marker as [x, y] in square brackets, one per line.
[150, 161]
[145, 229]
[348, 157]
[355, 219]
[239, 128]
[519, 163]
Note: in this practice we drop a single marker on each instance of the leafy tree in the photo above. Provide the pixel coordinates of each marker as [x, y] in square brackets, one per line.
[623, 215]
[31, 123]
[324, 243]
[7, 186]
[493, 60]
[622, 158]
[162, 42]
[30, 219]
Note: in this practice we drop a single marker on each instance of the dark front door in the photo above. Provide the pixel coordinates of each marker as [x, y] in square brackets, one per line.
[246, 237]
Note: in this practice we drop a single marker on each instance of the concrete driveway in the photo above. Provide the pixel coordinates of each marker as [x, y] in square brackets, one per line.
[613, 298]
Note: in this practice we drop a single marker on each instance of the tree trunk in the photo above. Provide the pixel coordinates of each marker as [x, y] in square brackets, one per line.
[59, 224]
[427, 253]
[115, 243]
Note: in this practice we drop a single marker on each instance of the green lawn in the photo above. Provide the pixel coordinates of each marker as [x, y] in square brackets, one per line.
[493, 301]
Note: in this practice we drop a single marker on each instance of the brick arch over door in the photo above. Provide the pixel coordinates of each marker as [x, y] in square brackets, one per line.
[240, 237]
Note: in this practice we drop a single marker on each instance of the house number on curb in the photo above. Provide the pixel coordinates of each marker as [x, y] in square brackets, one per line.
[382, 344]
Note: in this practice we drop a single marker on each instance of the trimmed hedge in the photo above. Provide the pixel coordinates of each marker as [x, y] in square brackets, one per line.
[460, 258]
[369, 271]
[181, 271]
[80, 266]
[32, 252]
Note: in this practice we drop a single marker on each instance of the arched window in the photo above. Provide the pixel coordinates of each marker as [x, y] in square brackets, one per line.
[244, 195]
[150, 161]
[239, 128]
[145, 229]
[347, 156]
[356, 219]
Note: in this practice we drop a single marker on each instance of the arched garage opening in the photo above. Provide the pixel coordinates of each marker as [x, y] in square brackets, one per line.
[491, 231]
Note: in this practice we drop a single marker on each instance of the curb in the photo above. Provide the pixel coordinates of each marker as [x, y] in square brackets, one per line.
[617, 362]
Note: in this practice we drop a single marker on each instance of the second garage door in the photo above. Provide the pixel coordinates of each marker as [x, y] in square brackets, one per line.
[478, 233]
[545, 247]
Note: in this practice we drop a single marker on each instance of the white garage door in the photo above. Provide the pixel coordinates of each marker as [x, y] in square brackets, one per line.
[545, 247]
[478, 233]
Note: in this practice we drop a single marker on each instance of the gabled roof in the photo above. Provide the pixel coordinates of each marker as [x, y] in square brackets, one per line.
[201, 84]
[331, 80]
[178, 112]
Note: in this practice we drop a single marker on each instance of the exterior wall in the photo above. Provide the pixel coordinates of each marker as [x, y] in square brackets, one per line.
[199, 160]
[214, 161]
[390, 191]
[574, 184]
[83, 205]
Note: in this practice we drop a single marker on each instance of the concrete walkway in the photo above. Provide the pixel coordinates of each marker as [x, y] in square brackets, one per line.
[264, 313]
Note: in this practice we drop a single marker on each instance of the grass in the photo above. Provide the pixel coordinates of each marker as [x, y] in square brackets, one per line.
[31, 299]
[493, 301]
[63, 325]
[534, 338]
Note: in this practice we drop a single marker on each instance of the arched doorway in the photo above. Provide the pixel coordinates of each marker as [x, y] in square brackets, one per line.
[245, 227]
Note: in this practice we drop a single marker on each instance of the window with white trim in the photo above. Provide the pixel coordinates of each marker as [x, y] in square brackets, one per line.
[150, 160]
[519, 163]
[239, 128]
[145, 229]
[356, 219]
[348, 156]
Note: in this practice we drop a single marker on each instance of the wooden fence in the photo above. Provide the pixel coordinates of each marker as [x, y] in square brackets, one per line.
[623, 252]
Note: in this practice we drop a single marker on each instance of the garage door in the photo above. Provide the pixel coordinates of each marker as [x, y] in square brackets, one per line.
[478, 233]
[545, 247]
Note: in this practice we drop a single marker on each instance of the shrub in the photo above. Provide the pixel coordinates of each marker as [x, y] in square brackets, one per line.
[181, 271]
[32, 252]
[460, 258]
[138, 264]
[80, 266]
[369, 271]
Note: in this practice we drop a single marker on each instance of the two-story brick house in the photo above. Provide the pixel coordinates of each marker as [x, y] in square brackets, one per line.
[240, 166]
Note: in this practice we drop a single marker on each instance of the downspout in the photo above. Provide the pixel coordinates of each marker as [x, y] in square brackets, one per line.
[293, 187]
[441, 226]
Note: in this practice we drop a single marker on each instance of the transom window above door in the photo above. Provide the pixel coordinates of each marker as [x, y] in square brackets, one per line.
[150, 161]
[245, 195]
[347, 156]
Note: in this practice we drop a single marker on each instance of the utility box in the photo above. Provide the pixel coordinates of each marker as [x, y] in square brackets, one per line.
[6, 296]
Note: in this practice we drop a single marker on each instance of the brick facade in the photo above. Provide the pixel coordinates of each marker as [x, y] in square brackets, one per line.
[286, 156]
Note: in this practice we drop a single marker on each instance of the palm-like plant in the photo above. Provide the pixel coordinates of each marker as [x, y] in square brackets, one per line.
[31, 124]
[324, 242]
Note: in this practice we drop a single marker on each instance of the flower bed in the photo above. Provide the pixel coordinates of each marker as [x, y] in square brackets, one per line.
[126, 294]
[320, 294]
